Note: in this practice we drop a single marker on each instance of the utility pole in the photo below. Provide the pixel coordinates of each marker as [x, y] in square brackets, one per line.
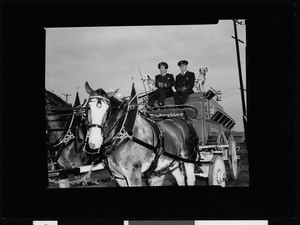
[240, 73]
[67, 97]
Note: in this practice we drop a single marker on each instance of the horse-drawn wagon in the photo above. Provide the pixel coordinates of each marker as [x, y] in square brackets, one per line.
[217, 150]
[122, 125]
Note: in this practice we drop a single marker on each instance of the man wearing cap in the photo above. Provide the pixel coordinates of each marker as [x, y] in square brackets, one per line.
[164, 82]
[184, 84]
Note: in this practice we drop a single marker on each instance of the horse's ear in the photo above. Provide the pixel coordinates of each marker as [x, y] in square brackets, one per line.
[112, 94]
[88, 89]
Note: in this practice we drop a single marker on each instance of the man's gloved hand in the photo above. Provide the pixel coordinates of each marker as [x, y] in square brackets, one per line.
[183, 89]
[161, 85]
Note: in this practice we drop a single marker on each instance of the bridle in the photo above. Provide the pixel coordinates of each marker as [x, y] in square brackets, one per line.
[100, 126]
[115, 128]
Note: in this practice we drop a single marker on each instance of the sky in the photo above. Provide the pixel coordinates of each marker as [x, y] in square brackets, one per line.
[110, 58]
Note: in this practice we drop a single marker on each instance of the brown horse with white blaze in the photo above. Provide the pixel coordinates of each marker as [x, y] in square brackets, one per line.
[128, 159]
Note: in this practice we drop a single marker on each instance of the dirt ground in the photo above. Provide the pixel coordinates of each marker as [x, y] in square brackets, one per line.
[102, 178]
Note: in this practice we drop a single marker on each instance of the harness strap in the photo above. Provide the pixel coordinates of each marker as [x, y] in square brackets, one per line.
[97, 126]
[117, 126]
[175, 157]
[178, 158]
[159, 149]
[63, 142]
[127, 122]
[192, 128]
[146, 145]
[76, 139]
[161, 145]
[62, 138]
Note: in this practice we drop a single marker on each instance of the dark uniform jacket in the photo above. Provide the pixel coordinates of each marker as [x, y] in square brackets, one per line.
[187, 80]
[168, 79]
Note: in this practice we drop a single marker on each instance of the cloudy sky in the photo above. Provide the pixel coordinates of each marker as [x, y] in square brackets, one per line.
[108, 57]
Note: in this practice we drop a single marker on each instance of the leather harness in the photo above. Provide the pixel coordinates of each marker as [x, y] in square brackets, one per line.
[65, 139]
[124, 134]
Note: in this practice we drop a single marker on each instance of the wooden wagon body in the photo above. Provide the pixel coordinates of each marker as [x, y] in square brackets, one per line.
[217, 149]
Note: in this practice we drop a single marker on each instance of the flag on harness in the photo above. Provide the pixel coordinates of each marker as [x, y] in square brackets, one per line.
[132, 111]
[77, 100]
[133, 98]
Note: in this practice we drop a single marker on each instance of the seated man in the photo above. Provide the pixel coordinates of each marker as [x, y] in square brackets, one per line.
[184, 84]
[164, 82]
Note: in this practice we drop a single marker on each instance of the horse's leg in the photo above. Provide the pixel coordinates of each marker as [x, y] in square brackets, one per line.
[178, 176]
[189, 169]
[156, 181]
[134, 175]
[122, 183]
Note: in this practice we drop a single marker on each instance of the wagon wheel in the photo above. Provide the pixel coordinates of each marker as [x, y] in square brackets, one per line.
[217, 172]
[233, 159]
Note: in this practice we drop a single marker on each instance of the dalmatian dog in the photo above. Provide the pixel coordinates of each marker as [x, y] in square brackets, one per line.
[200, 80]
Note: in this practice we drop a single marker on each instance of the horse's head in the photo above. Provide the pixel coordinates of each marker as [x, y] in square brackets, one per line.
[98, 109]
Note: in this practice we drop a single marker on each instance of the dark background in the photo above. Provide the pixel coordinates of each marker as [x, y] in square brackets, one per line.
[271, 114]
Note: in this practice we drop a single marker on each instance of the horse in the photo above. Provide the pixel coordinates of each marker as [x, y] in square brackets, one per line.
[65, 134]
[131, 154]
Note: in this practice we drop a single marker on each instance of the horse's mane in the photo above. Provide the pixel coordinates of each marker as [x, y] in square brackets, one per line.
[53, 99]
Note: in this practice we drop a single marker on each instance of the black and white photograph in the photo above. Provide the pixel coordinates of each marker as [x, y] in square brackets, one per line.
[120, 112]
[146, 105]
